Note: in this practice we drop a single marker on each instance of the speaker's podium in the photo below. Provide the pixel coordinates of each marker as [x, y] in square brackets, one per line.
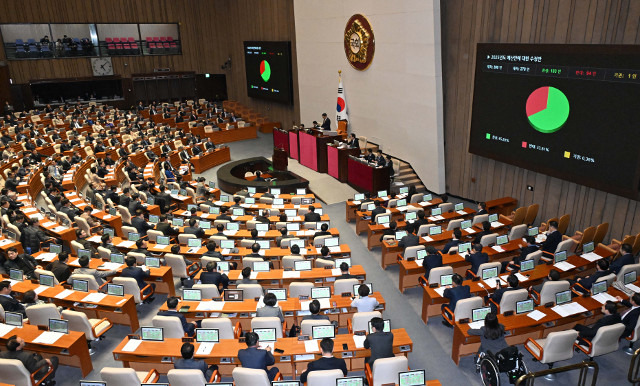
[280, 159]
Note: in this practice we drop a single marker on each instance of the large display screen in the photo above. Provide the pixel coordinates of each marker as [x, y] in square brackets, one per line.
[569, 111]
[268, 67]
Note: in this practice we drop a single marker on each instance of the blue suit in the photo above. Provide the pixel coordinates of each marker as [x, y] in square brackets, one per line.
[476, 259]
[255, 358]
[621, 261]
[193, 364]
[456, 293]
[449, 245]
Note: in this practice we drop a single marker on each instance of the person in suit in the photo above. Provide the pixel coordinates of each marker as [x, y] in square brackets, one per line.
[26, 263]
[59, 268]
[379, 209]
[344, 272]
[184, 155]
[165, 227]
[31, 361]
[326, 122]
[414, 227]
[630, 317]
[391, 231]
[476, 259]
[212, 276]
[194, 229]
[529, 247]
[224, 215]
[513, 282]
[410, 240]
[270, 308]
[188, 363]
[259, 176]
[364, 302]
[380, 160]
[314, 308]
[141, 225]
[486, 230]
[370, 157]
[353, 141]
[209, 145]
[432, 260]
[379, 342]
[246, 277]
[602, 270]
[455, 293]
[255, 251]
[139, 274]
[553, 275]
[326, 362]
[211, 250]
[85, 270]
[610, 316]
[457, 235]
[625, 258]
[324, 231]
[253, 357]
[172, 310]
[8, 302]
[554, 237]
[67, 209]
[482, 208]
[311, 215]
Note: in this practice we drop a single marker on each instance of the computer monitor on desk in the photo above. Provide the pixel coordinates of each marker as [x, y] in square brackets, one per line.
[207, 335]
[350, 381]
[152, 333]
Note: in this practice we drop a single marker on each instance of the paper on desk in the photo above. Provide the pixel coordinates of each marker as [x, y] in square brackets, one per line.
[324, 303]
[403, 208]
[107, 216]
[229, 233]
[568, 309]
[47, 256]
[290, 274]
[95, 239]
[205, 348]
[311, 346]
[564, 266]
[126, 244]
[476, 325]
[540, 238]
[74, 262]
[497, 248]
[334, 249]
[95, 297]
[6, 241]
[131, 345]
[64, 294]
[304, 305]
[262, 233]
[234, 217]
[470, 230]
[59, 229]
[440, 290]
[461, 212]
[48, 224]
[277, 206]
[5, 329]
[521, 277]
[254, 275]
[493, 282]
[264, 345]
[336, 272]
[40, 289]
[496, 224]
[359, 340]
[13, 282]
[48, 337]
[357, 202]
[536, 315]
[633, 287]
[427, 239]
[591, 256]
[225, 251]
[303, 252]
[210, 306]
[110, 266]
[431, 218]
[218, 203]
[603, 297]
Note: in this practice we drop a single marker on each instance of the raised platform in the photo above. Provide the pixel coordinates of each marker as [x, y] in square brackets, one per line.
[231, 177]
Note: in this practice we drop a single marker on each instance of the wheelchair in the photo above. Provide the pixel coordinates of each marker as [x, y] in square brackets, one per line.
[508, 360]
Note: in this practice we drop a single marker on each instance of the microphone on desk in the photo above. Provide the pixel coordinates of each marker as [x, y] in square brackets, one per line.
[482, 286]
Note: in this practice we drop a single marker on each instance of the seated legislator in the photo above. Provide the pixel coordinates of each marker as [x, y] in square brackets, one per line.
[212, 276]
[314, 308]
[585, 283]
[391, 231]
[326, 362]
[253, 357]
[165, 227]
[529, 247]
[31, 361]
[188, 363]
[344, 272]
[630, 316]
[353, 141]
[496, 297]
[379, 209]
[379, 342]
[554, 237]
[432, 260]
[410, 240]
[324, 231]
[364, 303]
[626, 257]
[457, 235]
[270, 308]
[59, 268]
[139, 274]
[610, 316]
[312, 216]
[26, 263]
[246, 277]
[486, 230]
[8, 302]
[456, 292]
[476, 259]
[172, 310]
[482, 208]
[85, 270]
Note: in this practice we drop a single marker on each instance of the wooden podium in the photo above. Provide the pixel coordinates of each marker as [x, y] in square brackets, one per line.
[280, 159]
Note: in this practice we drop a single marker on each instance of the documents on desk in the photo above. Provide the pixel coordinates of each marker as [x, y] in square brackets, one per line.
[264, 345]
[324, 303]
[427, 239]
[131, 345]
[311, 346]
[126, 244]
[435, 218]
[291, 274]
[536, 315]
[564, 266]
[40, 289]
[424, 203]
[95, 297]
[7, 241]
[476, 325]
[48, 224]
[521, 277]
[541, 238]
[48, 337]
[591, 256]
[568, 309]
[336, 272]
[229, 233]
[633, 287]
[493, 282]
[440, 290]
[470, 230]
[336, 249]
[64, 294]
[210, 306]
[205, 348]
[603, 297]
[461, 212]
[5, 329]
[95, 239]
[47, 256]
[497, 248]
[359, 340]
[496, 224]
[59, 229]
[110, 266]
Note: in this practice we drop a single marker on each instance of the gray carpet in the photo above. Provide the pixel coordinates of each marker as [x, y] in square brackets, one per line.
[432, 343]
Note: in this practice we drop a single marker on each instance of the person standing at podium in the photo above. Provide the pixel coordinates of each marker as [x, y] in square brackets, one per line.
[326, 122]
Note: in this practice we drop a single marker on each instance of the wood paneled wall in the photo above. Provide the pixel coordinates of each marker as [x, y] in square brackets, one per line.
[211, 31]
[467, 22]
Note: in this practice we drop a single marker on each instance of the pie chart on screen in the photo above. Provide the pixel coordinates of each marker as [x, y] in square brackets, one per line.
[265, 70]
[547, 109]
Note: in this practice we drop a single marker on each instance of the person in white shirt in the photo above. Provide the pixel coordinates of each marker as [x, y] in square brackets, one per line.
[364, 303]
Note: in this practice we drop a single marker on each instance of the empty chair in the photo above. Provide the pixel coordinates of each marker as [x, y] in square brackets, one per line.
[436, 273]
[360, 320]
[116, 376]
[306, 327]
[563, 223]
[607, 340]
[344, 286]
[324, 377]
[248, 261]
[14, 373]
[93, 329]
[446, 207]
[251, 290]
[323, 263]
[209, 291]
[385, 370]
[509, 300]
[424, 229]
[548, 292]
[267, 322]
[412, 251]
[128, 229]
[251, 377]
[532, 213]
[628, 268]
[40, 314]
[464, 308]
[601, 232]
[489, 239]
[153, 235]
[39, 272]
[171, 325]
[179, 268]
[479, 219]
[183, 377]
[453, 224]
[557, 346]
[226, 330]
[297, 289]
[517, 232]
[184, 237]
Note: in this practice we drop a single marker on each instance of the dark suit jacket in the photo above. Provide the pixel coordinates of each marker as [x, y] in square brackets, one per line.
[27, 359]
[326, 124]
[552, 241]
[199, 232]
[409, 240]
[476, 259]
[430, 262]
[621, 261]
[325, 364]
[587, 282]
[449, 245]
[378, 210]
[60, 270]
[311, 217]
[456, 293]
[355, 143]
[137, 273]
[166, 229]
[255, 358]
[12, 305]
[606, 320]
[186, 326]
[216, 278]
[630, 319]
[524, 253]
[192, 364]
[497, 295]
[381, 345]
[141, 226]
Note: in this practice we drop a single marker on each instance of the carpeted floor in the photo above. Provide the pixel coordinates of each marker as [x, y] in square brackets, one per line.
[431, 344]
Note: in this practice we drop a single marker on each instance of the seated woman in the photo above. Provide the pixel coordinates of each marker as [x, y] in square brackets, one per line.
[270, 308]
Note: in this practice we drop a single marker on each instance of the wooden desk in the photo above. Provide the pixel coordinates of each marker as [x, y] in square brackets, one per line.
[337, 161]
[502, 205]
[281, 139]
[206, 161]
[161, 355]
[313, 150]
[353, 206]
[71, 349]
[366, 178]
[119, 310]
[115, 222]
